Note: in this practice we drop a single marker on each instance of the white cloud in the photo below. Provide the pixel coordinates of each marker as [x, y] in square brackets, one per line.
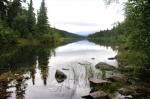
[81, 15]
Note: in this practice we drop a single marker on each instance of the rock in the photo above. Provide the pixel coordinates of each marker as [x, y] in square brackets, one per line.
[104, 66]
[93, 58]
[124, 91]
[116, 79]
[60, 76]
[95, 81]
[96, 95]
[111, 58]
[65, 69]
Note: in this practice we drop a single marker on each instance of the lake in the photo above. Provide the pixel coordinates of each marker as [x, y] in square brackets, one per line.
[38, 65]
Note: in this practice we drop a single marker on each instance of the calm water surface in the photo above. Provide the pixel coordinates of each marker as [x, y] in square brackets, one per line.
[40, 65]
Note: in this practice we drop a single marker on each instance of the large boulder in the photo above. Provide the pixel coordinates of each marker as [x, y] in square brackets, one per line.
[95, 81]
[104, 66]
[60, 76]
[96, 95]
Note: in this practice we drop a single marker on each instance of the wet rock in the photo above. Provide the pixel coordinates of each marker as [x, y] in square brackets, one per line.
[95, 81]
[125, 91]
[111, 58]
[104, 66]
[117, 79]
[60, 76]
[96, 95]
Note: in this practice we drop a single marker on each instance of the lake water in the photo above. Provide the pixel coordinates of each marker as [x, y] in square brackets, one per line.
[39, 64]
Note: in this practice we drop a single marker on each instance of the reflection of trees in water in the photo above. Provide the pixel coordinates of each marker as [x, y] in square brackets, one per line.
[4, 82]
[44, 54]
[9, 80]
[20, 90]
[106, 43]
[22, 60]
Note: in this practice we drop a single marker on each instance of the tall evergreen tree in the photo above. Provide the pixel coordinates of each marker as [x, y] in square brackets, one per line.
[42, 19]
[31, 18]
[13, 10]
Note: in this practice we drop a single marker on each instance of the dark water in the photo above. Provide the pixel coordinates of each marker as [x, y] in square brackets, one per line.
[38, 65]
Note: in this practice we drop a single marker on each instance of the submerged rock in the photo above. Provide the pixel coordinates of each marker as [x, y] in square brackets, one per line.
[96, 95]
[84, 63]
[93, 58]
[60, 76]
[104, 66]
[65, 69]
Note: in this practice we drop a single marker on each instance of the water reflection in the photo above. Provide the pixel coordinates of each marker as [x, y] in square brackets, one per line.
[28, 72]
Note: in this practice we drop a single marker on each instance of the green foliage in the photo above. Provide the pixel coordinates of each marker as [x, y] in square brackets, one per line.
[136, 58]
[7, 35]
[20, 24]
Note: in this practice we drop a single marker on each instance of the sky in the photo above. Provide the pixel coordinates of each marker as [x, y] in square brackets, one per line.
[82, 16]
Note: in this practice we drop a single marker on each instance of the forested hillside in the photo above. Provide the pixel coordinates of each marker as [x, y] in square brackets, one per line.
[19, 24]
[133, 32]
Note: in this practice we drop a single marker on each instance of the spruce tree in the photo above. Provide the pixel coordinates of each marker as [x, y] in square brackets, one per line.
[42, 19]
[31, 18]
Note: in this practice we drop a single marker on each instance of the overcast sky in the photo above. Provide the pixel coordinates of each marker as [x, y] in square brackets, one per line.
[84, 16]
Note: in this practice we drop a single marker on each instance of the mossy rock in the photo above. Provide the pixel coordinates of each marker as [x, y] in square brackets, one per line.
[104, 66]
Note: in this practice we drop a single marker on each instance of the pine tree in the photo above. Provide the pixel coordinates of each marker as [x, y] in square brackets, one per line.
[42, 19]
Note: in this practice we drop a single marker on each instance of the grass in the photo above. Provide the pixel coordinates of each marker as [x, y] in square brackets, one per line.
[28, 42]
